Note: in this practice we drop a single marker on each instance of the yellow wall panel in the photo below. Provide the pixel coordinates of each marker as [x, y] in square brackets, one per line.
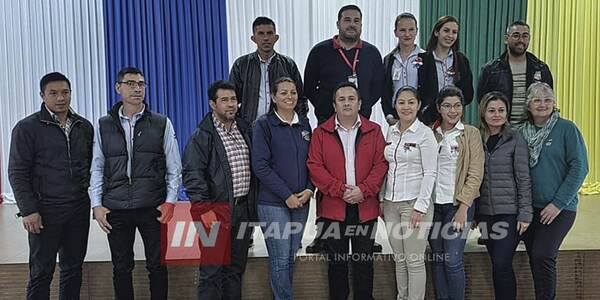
[566, 34]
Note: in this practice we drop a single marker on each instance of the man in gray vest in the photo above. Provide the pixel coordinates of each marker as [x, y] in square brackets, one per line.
[135, 175]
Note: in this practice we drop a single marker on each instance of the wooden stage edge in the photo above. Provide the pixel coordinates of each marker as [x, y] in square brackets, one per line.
[578, 266]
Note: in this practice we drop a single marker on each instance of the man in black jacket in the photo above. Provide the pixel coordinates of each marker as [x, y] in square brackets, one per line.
[135, 176]
[514, 71]
[253, 73]
[49, 171]
[216, 170]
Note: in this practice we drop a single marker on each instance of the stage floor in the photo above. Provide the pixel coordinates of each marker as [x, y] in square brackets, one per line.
[14, 248]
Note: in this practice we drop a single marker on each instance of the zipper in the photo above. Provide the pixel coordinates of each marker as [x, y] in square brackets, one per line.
[67, 139]
[130, 153]
[297, 148]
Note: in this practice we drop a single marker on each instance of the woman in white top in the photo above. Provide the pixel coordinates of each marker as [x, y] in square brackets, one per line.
[459, 176]
[411, 151]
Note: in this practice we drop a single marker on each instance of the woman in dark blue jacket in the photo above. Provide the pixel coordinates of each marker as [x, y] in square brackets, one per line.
[279, 153]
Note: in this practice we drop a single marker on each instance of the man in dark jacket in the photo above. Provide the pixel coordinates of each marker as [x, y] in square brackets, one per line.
[514, 71]
[216, 171]
[135, 176]
[253, 73]
[49, 171]
[345, 57]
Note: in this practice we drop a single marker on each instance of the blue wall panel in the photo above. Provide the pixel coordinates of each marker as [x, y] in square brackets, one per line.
[181, 46]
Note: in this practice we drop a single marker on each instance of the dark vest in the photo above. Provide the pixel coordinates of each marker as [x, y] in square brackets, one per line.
[147, 186]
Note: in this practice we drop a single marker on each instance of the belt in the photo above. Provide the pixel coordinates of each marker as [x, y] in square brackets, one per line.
[240, 200]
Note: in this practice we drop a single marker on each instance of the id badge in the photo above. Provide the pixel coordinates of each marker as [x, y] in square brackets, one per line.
[353, 79]
[397, 73]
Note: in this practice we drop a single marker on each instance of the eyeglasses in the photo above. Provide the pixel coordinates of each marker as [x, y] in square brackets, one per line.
[133, 84]
[448, 107]
[538, 101]
[518, 35]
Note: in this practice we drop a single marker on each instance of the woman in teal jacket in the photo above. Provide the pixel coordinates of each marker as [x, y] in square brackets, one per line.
[558, 166]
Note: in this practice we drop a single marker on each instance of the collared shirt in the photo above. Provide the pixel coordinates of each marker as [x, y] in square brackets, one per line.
[264, 92]
[295, 119]
[447, 160]
[445, 70]
[238, 156]
[65, 127]
[173, 159]
[348, 138]
[412, 158]
[406, 72]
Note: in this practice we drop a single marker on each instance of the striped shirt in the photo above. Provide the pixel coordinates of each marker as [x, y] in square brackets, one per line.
[519, 72]
[238, 156]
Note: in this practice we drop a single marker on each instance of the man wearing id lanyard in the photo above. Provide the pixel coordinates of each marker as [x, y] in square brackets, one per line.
[345, 57]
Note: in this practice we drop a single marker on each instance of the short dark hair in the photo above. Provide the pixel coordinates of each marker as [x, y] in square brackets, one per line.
[128, 70]
[262, 21]
[516, 23]
[406, 88]
[449, 91]
[343, 85]
[348, 7]
[432, 43]
[405, 15]
[52, 77]
[219, 85]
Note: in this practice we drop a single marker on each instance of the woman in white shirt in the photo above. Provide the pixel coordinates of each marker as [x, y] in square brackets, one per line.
[459, 176]
[411, 151]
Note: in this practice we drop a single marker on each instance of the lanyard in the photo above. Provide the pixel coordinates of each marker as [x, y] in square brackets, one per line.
[353, 65]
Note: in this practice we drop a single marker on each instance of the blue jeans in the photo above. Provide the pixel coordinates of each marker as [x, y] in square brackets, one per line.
[283, 229]
[447, 247]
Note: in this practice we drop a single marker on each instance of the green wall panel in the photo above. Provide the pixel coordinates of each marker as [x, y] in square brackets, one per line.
[481, 35]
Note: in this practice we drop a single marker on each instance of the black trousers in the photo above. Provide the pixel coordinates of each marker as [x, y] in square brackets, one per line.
[337, 236]
[121, 239]
[502, 239]
[542, 243]
[225, 281]
[69, 240]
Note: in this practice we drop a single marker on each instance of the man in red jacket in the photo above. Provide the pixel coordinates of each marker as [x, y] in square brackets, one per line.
[347, 165]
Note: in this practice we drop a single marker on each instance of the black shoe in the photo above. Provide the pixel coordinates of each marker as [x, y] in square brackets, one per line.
[377, 248]
[251, 243]
[481, 241]
[317, 246]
